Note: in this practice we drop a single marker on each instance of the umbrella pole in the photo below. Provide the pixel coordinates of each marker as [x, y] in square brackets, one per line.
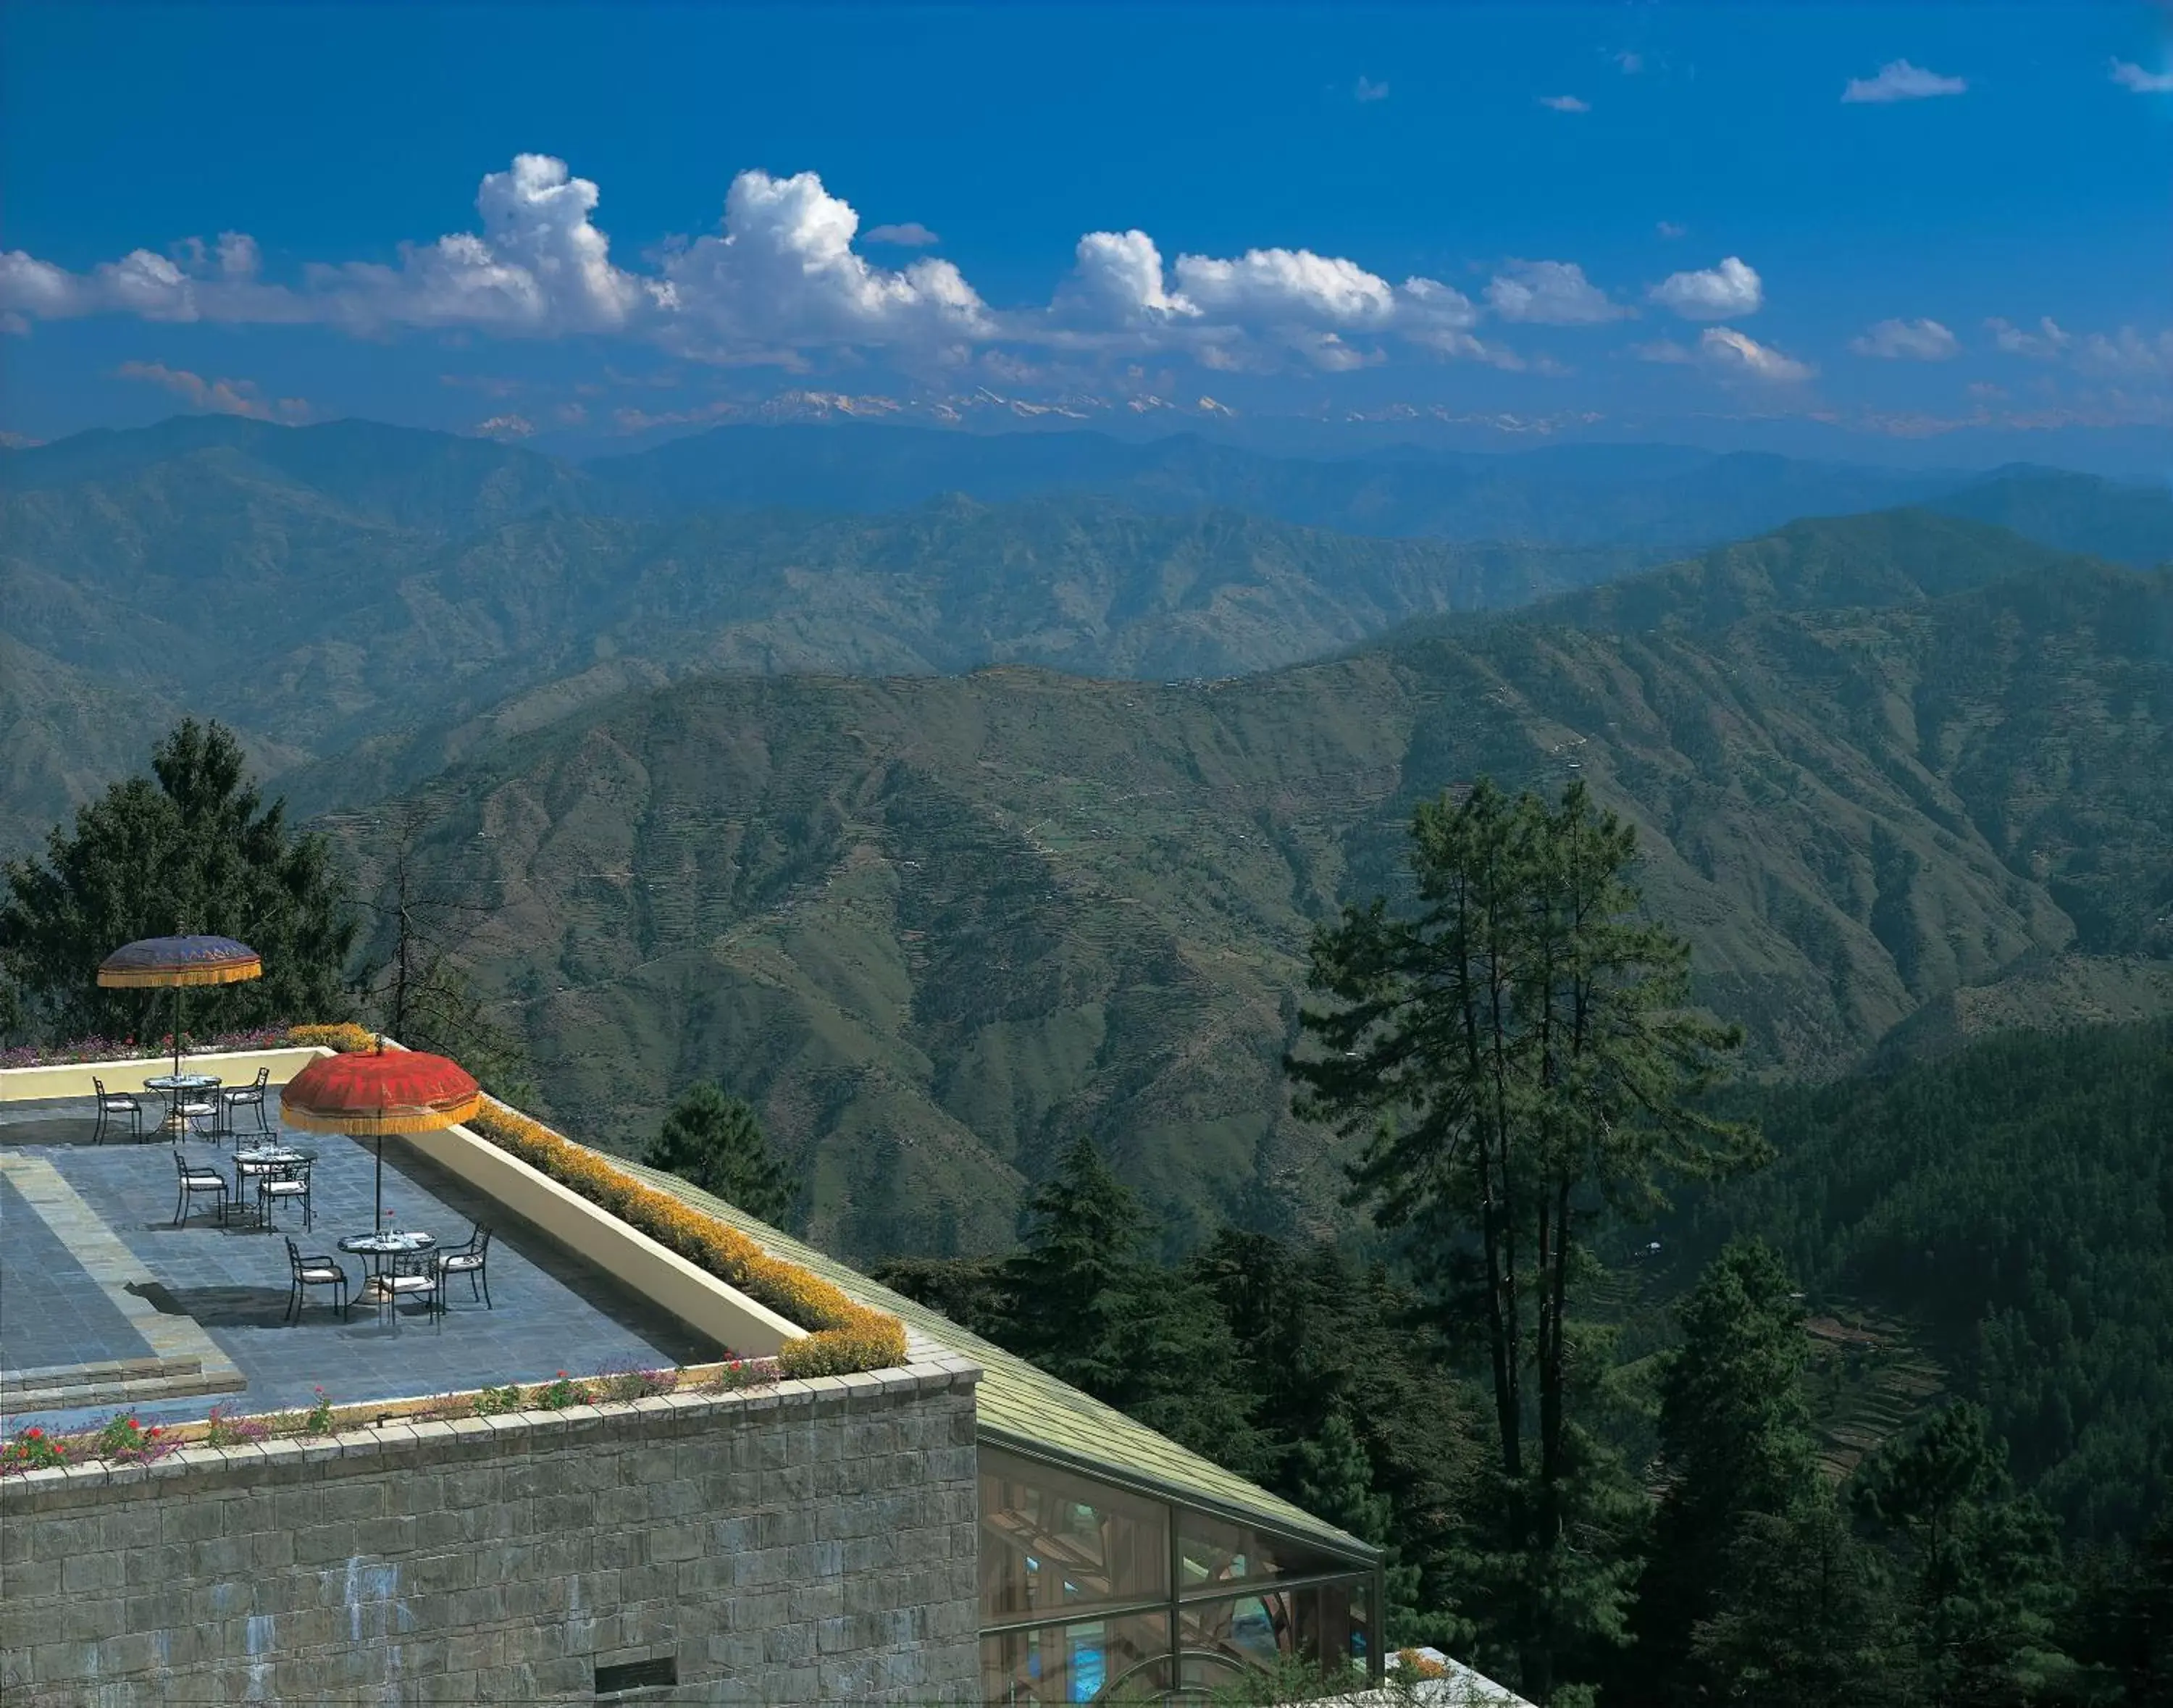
[177, 1031]
[378, 1226]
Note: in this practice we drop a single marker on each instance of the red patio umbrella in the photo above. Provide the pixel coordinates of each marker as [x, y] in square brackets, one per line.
[368, 1094]
[175, 963]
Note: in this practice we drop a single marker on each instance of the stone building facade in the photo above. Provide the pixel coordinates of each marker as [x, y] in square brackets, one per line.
[809, 1541]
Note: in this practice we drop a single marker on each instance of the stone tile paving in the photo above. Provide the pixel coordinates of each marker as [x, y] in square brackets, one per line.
[553, 1312]
[51, 1313]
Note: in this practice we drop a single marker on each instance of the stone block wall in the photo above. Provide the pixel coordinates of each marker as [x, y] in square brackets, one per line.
[810, 1542]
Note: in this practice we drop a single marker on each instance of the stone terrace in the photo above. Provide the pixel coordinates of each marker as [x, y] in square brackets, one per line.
[103, 1301]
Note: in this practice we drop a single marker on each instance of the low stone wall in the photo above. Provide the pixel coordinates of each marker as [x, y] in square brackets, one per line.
[810, 1542]
[73, 1079]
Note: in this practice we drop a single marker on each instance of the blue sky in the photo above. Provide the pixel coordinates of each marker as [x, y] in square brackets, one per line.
[1627, 221]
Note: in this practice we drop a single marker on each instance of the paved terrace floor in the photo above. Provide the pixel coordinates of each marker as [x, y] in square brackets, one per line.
[102, 1296]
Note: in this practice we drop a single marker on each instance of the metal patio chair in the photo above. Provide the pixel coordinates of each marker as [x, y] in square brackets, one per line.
[283, 1180]
[471, 1260]
[320, 1270]
[112, 1104]
[194, 1177]
[248, 1097]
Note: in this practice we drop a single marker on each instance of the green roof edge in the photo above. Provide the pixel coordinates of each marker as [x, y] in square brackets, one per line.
[1018, 1390]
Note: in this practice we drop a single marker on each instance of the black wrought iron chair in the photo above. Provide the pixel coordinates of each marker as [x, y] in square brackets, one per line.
[283, 1180]
[193, 1177]
[322, 1270]
[471, 1260]
[114, 1104]
[248, 1097]
[393, 1285]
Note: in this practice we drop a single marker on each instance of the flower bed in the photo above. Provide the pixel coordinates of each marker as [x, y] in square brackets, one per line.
[845, 1335]
[122, 1440]
[114, 1049]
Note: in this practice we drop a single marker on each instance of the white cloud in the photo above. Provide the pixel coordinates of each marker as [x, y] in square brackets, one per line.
[1631, 64]
[1550, 294]
[2133, 77]
[1117, 279]
[1566, 103]
[784, 276]
[1900, 81]
[505, 426]
[2043, 345]
[214, 396]
[2125, 353]
[1715, 294]
[1907, 341]
[1725, 351]
[910, 233]
[783, 272]
[1365, 90]
[1730, 352]
[1667, 228]
[1287, 284]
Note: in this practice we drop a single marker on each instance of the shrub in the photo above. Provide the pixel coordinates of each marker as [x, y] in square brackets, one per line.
[346, 1036]
[31, 1449]
[121, 1437]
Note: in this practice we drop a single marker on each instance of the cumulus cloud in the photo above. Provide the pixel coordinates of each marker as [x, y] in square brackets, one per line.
[507, 427]
[1900, 81]
[1365, 90]
[2133, 77]
[783, 274]
[784, 271]
[1550, 294]
[1566, 103]
[1714, 293]
[215, 396]
[1906, 341]
[1117, 279]
[1728, 350]
[2043, 345]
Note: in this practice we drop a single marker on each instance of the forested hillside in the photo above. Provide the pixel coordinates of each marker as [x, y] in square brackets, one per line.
[935, 926]
[2015, 1201]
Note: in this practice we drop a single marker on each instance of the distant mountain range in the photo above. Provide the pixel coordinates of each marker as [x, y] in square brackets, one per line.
[935, 926]
[1659, 498]
[796, 797]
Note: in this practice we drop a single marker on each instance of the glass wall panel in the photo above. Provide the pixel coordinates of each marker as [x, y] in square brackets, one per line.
[1213, 1553]
[1323, 1623]
[1052, 1543]
[1125, 1659]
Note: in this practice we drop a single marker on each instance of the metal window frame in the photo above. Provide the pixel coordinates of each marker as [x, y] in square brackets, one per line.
[1373, 1572]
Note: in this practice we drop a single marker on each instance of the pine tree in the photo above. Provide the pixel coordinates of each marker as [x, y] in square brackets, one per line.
[1800, 1621]
[1735, 1444]
[1518, 1057]
[190, 850]
[1336, 1482]
[713, 1139]
[1982, 1564]
[1077, 1278]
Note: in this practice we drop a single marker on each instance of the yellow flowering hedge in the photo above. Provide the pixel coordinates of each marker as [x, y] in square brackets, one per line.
[345, 1036]
[846, 1335]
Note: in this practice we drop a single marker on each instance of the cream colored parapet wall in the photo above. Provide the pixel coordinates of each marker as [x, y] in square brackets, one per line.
[690, 1293]
[72, 1078]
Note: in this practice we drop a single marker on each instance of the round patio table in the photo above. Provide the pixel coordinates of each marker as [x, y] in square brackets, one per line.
[384, 1249]
[178, 1090]
[255, 1158]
